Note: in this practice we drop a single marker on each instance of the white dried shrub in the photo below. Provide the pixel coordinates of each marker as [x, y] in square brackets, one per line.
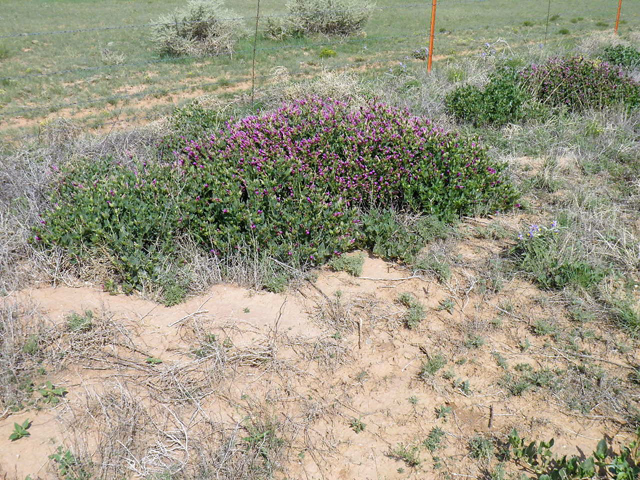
[201, 28]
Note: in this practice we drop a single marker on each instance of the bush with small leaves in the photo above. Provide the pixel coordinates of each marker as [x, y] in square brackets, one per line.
[501, 101]
[622, 55]
[297, 185]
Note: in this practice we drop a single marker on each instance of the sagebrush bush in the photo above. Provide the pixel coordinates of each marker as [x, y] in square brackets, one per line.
[622, 55]
[578, 84]
[294, 185]
[327, 17]
[201, 28]
[501, 101]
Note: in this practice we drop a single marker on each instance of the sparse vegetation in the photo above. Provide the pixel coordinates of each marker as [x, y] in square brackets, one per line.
[352, 264]
[357, 425]
[432, 365]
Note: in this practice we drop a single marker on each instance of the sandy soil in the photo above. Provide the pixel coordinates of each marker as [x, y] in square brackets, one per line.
[309, 361]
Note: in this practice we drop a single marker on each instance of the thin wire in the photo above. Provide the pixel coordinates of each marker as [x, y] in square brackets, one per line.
[146, 93]
[186, 58]
[253, 66]
[546, 30]
[157, 24]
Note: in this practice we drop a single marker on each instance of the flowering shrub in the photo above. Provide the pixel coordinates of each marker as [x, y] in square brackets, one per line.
[578, 84]
[294, 185]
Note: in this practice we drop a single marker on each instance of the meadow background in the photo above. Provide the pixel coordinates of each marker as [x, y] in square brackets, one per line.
[95, 61]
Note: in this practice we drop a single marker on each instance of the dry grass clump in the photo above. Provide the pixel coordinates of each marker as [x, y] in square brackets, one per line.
[593, 44]
[24, 353]
[341, 86]
[201, 28]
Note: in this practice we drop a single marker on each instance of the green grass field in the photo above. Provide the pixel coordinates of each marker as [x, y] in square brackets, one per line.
[102, 75]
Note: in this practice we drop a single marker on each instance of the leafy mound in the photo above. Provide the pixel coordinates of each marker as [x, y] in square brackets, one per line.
[293, 185]
[573, 83]
[500, 101]
[578, 84]
[622, 55]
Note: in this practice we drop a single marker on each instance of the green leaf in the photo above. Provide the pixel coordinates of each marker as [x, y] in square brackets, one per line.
[601, 450]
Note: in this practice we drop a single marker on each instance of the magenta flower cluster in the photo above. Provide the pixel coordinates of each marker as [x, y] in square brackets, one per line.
[299, 177]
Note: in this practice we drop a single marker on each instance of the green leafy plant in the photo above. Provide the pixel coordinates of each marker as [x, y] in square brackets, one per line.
[80, 323]
[625, 56]
[415, 311]
[447, 305]
[434, 439]
[409, 454]
[542, 252]
[539, 458]
[500, 101]
[443, 412]
[52, 394]
[432, 365]
[390, 238]
[357, 425]
[299, 210]
[20, 430]
[69, 467]
[352, 264]
[481, 447]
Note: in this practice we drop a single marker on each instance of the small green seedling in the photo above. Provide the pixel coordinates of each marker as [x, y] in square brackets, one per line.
[80, 323]
[20, 431]
[357, 425]
[448, 304]
[153, 361]
[52, 394]
[443, 412]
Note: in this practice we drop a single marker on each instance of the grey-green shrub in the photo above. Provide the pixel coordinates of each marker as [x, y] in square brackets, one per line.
[328, 17]
[201, 28]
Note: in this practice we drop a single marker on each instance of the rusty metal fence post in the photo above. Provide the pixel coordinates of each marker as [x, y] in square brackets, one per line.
[433, 29]
[618, 17]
